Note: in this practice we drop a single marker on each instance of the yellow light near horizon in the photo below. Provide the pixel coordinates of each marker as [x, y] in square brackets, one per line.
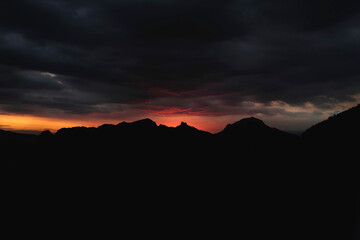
[23, 122]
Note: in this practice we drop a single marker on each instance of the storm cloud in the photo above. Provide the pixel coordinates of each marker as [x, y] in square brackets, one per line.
[206, 58]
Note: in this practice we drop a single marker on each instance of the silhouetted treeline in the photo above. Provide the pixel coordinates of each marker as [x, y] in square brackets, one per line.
[249, 180]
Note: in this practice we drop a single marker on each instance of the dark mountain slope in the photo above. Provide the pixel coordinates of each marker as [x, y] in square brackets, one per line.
[16, 147]
[181, 179]
[185, 129]
[339, 132]
[254, 129]
[13, 137]
[143, 137]
[252, 135]
[330, 150]
[146, 137]
[139, 130]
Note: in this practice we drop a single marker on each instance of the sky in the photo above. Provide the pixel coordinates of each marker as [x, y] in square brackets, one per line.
[63, 63]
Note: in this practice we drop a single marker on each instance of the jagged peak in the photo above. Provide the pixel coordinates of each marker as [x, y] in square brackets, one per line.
[184, 124]
[185, 128]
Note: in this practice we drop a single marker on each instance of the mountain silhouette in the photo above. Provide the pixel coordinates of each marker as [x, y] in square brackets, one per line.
[339, 131]
[274, 184]
[253, 137]
[184, 128]
[249, 129]
[13, 137]
[183, 134]
[255, 130]
[15, 146]
[248, 134]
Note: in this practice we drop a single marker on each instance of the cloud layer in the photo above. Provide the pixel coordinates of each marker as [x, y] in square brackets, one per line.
[166, 57]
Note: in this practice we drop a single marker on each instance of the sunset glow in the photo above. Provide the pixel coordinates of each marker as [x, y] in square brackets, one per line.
[33, 123]
[173, 116]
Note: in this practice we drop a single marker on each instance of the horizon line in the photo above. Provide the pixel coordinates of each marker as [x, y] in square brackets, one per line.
[53, 131]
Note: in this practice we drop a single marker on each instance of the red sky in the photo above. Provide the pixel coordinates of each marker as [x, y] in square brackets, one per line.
[285, 117]
[37, 123]
[295, 117]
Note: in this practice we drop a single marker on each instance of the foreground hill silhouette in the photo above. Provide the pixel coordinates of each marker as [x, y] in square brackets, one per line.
[8, 137]
[249, 134]
[15, 146]
[340, 131]
[254, 138]
[247, 180]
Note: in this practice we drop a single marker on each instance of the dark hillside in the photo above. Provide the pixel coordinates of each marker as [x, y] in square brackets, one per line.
[248, 180]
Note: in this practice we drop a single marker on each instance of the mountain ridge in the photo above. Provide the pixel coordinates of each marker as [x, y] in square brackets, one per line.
[269, 177]
[248, 129]
[150, 123]
[341, 121]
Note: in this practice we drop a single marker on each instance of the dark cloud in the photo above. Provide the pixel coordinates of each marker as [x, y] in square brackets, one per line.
[308, 15]
[204, 57]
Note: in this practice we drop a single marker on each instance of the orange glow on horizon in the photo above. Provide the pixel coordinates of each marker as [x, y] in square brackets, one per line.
[36, 123]
[33, 123]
